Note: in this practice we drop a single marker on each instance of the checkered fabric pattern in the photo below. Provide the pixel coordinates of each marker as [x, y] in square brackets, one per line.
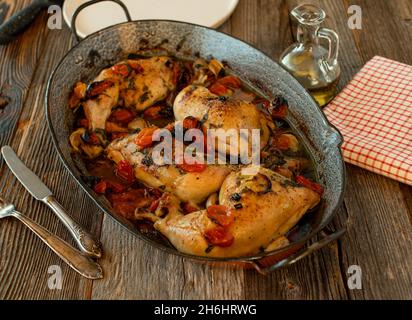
[374, 114]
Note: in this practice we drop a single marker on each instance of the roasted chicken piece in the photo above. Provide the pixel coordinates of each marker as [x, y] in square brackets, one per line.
[193, 187]
[102, 96]
[155, 81]
[222, 113]
[137, 83]
[263, 207]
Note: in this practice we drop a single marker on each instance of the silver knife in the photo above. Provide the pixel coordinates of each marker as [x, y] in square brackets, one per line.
[39, 190]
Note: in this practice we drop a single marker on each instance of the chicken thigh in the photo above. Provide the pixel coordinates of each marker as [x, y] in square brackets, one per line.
[192, 187]
[265, 206]
[154, 83]
[137, 84]
[222, 113]
[97, 108]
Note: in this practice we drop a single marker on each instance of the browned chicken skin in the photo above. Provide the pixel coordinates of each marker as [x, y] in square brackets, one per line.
[98, 109]
[270, 205]
[193, 187]
[226, 114]
[152, 82]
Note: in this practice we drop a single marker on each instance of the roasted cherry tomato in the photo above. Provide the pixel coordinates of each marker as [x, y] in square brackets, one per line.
[122, 116]
[97, 88]
[222, 86]
[121, 70]
[279, 112]
[219, 236]
[116, 187]
[177, 73]
[231, 82]
[281, 142]
[100, 187]
[195, 167]
[79, 92]
[84, 123]
[114, 127]
[154, 205]
[135, 66]
[170, 127]
[126, 203]
[107, 185]
[310, 184]
[91, 138]
[153, 113]
[220, 215]
[145, 137]
[219, 89]
[73, 101]
[125, 171]
[190, 123]
[94, 139]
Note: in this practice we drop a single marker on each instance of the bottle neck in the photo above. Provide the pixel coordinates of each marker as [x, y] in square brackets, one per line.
[307, 34]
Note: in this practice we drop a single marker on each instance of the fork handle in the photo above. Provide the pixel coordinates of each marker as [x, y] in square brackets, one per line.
[84, 240]
[80, 263]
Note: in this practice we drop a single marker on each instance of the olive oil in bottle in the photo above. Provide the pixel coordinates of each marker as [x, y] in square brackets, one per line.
[314, 66]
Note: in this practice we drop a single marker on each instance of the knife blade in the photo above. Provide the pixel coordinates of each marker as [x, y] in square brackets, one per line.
[40, 191]
[27, 178]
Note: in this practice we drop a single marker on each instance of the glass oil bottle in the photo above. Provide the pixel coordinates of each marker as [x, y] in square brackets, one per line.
[312, 64]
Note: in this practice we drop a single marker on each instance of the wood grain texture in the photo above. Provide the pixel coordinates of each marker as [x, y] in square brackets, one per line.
[377, 211]
[378, 214]
[139, 271]
[24, 260]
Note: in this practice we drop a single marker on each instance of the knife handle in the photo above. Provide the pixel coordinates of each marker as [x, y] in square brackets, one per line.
[83, 265]
[20, 21]
[85, 241]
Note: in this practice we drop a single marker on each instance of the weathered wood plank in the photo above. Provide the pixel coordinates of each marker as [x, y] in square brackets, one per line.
[407, 195]
[188, 280]
[379, 219]
[379, 210]
[18, 65]
[24, 259]
[351, 62]
[386, 29]
[379, 236]
[136, 270]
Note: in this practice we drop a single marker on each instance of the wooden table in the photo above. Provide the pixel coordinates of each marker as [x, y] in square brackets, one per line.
[376, 210]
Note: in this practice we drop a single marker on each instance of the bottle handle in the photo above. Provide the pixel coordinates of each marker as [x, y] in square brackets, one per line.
[333, 40]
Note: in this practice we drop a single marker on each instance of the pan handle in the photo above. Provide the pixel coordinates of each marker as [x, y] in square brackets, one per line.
[89, 3]
[325, 240]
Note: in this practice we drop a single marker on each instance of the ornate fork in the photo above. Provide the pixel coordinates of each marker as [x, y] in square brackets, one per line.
[80, 263]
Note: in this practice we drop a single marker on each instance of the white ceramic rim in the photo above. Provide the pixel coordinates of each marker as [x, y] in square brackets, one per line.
[67, 18]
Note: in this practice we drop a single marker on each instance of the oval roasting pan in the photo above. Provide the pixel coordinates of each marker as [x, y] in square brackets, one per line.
[84, 61]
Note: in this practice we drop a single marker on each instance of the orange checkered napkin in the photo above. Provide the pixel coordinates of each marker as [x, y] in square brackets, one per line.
[374, 114]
